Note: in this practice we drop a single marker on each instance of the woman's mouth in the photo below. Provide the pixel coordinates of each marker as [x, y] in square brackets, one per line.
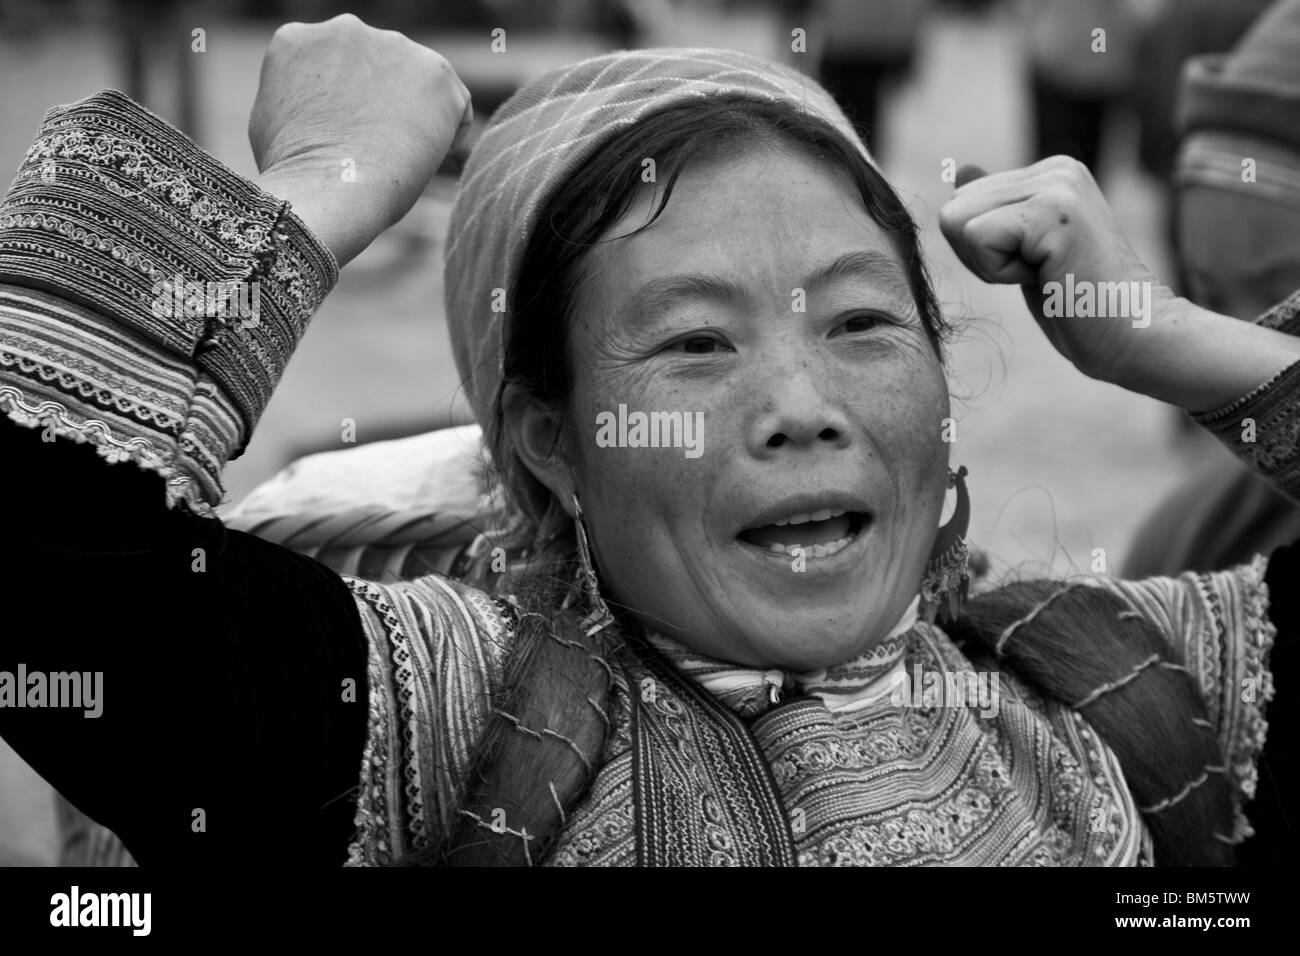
[818, 534]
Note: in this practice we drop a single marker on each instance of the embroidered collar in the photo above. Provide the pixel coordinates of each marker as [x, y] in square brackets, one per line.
[843, 688]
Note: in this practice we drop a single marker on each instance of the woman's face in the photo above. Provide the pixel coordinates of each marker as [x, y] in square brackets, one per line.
[793, 528]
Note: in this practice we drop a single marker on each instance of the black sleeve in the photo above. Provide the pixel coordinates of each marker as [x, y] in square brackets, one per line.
[1273, 812]
[232, 687]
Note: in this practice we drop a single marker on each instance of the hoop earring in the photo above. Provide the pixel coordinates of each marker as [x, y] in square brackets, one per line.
[600, 616]
[946, 581]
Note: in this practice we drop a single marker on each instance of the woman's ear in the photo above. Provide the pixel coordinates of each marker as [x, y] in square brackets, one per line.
[537, 431]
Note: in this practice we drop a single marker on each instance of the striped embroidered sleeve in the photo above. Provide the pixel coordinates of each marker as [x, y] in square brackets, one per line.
[122, 245]
[150, 297]
[1262, 428]
[436, 650]
[1218, 625]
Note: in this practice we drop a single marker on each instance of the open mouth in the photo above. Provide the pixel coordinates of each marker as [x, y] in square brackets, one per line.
[818, 534]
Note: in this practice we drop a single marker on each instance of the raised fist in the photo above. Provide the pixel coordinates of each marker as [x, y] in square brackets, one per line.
[352, 122]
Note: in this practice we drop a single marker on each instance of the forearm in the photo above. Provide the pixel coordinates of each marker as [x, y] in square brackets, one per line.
[1200, 360]
[1238, 380]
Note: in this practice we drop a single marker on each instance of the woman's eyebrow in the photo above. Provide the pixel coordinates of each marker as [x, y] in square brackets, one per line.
[862, 264]
[663, 294]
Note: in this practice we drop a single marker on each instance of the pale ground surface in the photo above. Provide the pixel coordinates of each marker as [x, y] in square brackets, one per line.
[1059, 464]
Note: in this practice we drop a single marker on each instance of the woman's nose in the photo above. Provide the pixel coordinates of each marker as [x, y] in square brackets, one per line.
[800, 416]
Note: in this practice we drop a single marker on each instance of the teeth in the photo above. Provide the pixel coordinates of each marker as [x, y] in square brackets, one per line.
[823, 515]
[814, 551]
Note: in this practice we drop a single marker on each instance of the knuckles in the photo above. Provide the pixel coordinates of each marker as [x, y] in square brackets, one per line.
[950, 218]
[345, 25]
[298, 51]
[1058, 199]
[1073, 174]
[348, 30]
[288, 34]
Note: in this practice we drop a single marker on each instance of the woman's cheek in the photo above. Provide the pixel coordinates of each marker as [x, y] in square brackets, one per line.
[652, 446]
[911, 422]
[634, 408]
[645, 519]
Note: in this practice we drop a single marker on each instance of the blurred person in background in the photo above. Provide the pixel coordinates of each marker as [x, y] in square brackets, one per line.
[1237, 193]
[1175, 31]
[865, 46]
[1082, 57]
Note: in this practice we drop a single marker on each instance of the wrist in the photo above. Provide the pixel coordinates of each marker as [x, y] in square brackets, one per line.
[327, 205]
[1149, 340]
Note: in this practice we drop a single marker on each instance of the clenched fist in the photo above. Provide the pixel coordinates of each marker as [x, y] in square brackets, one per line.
[350, 123]
[1048, 228]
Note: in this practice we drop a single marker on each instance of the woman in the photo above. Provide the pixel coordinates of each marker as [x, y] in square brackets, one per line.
[707, 659]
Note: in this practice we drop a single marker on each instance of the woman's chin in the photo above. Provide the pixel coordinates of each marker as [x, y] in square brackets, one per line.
[772, 610]
[807, 642]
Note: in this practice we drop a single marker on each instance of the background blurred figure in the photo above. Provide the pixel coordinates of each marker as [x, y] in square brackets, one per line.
[864, 46]
[1082, 57]
[1176, 31]
[1238, 171]
[1237, 195]
[144, 28]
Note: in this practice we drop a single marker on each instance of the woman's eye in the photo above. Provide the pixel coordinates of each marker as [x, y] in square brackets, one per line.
[862, 323]
[698, 344]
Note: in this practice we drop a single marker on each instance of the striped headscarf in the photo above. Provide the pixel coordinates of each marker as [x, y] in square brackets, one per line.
[542, 135]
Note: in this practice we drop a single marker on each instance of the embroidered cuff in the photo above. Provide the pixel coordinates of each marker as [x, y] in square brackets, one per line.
[79, 375]
[114, 209]
[1263, 427]
[1285, 316]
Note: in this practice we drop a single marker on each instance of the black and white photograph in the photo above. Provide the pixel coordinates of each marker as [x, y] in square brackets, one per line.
[655, 434]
